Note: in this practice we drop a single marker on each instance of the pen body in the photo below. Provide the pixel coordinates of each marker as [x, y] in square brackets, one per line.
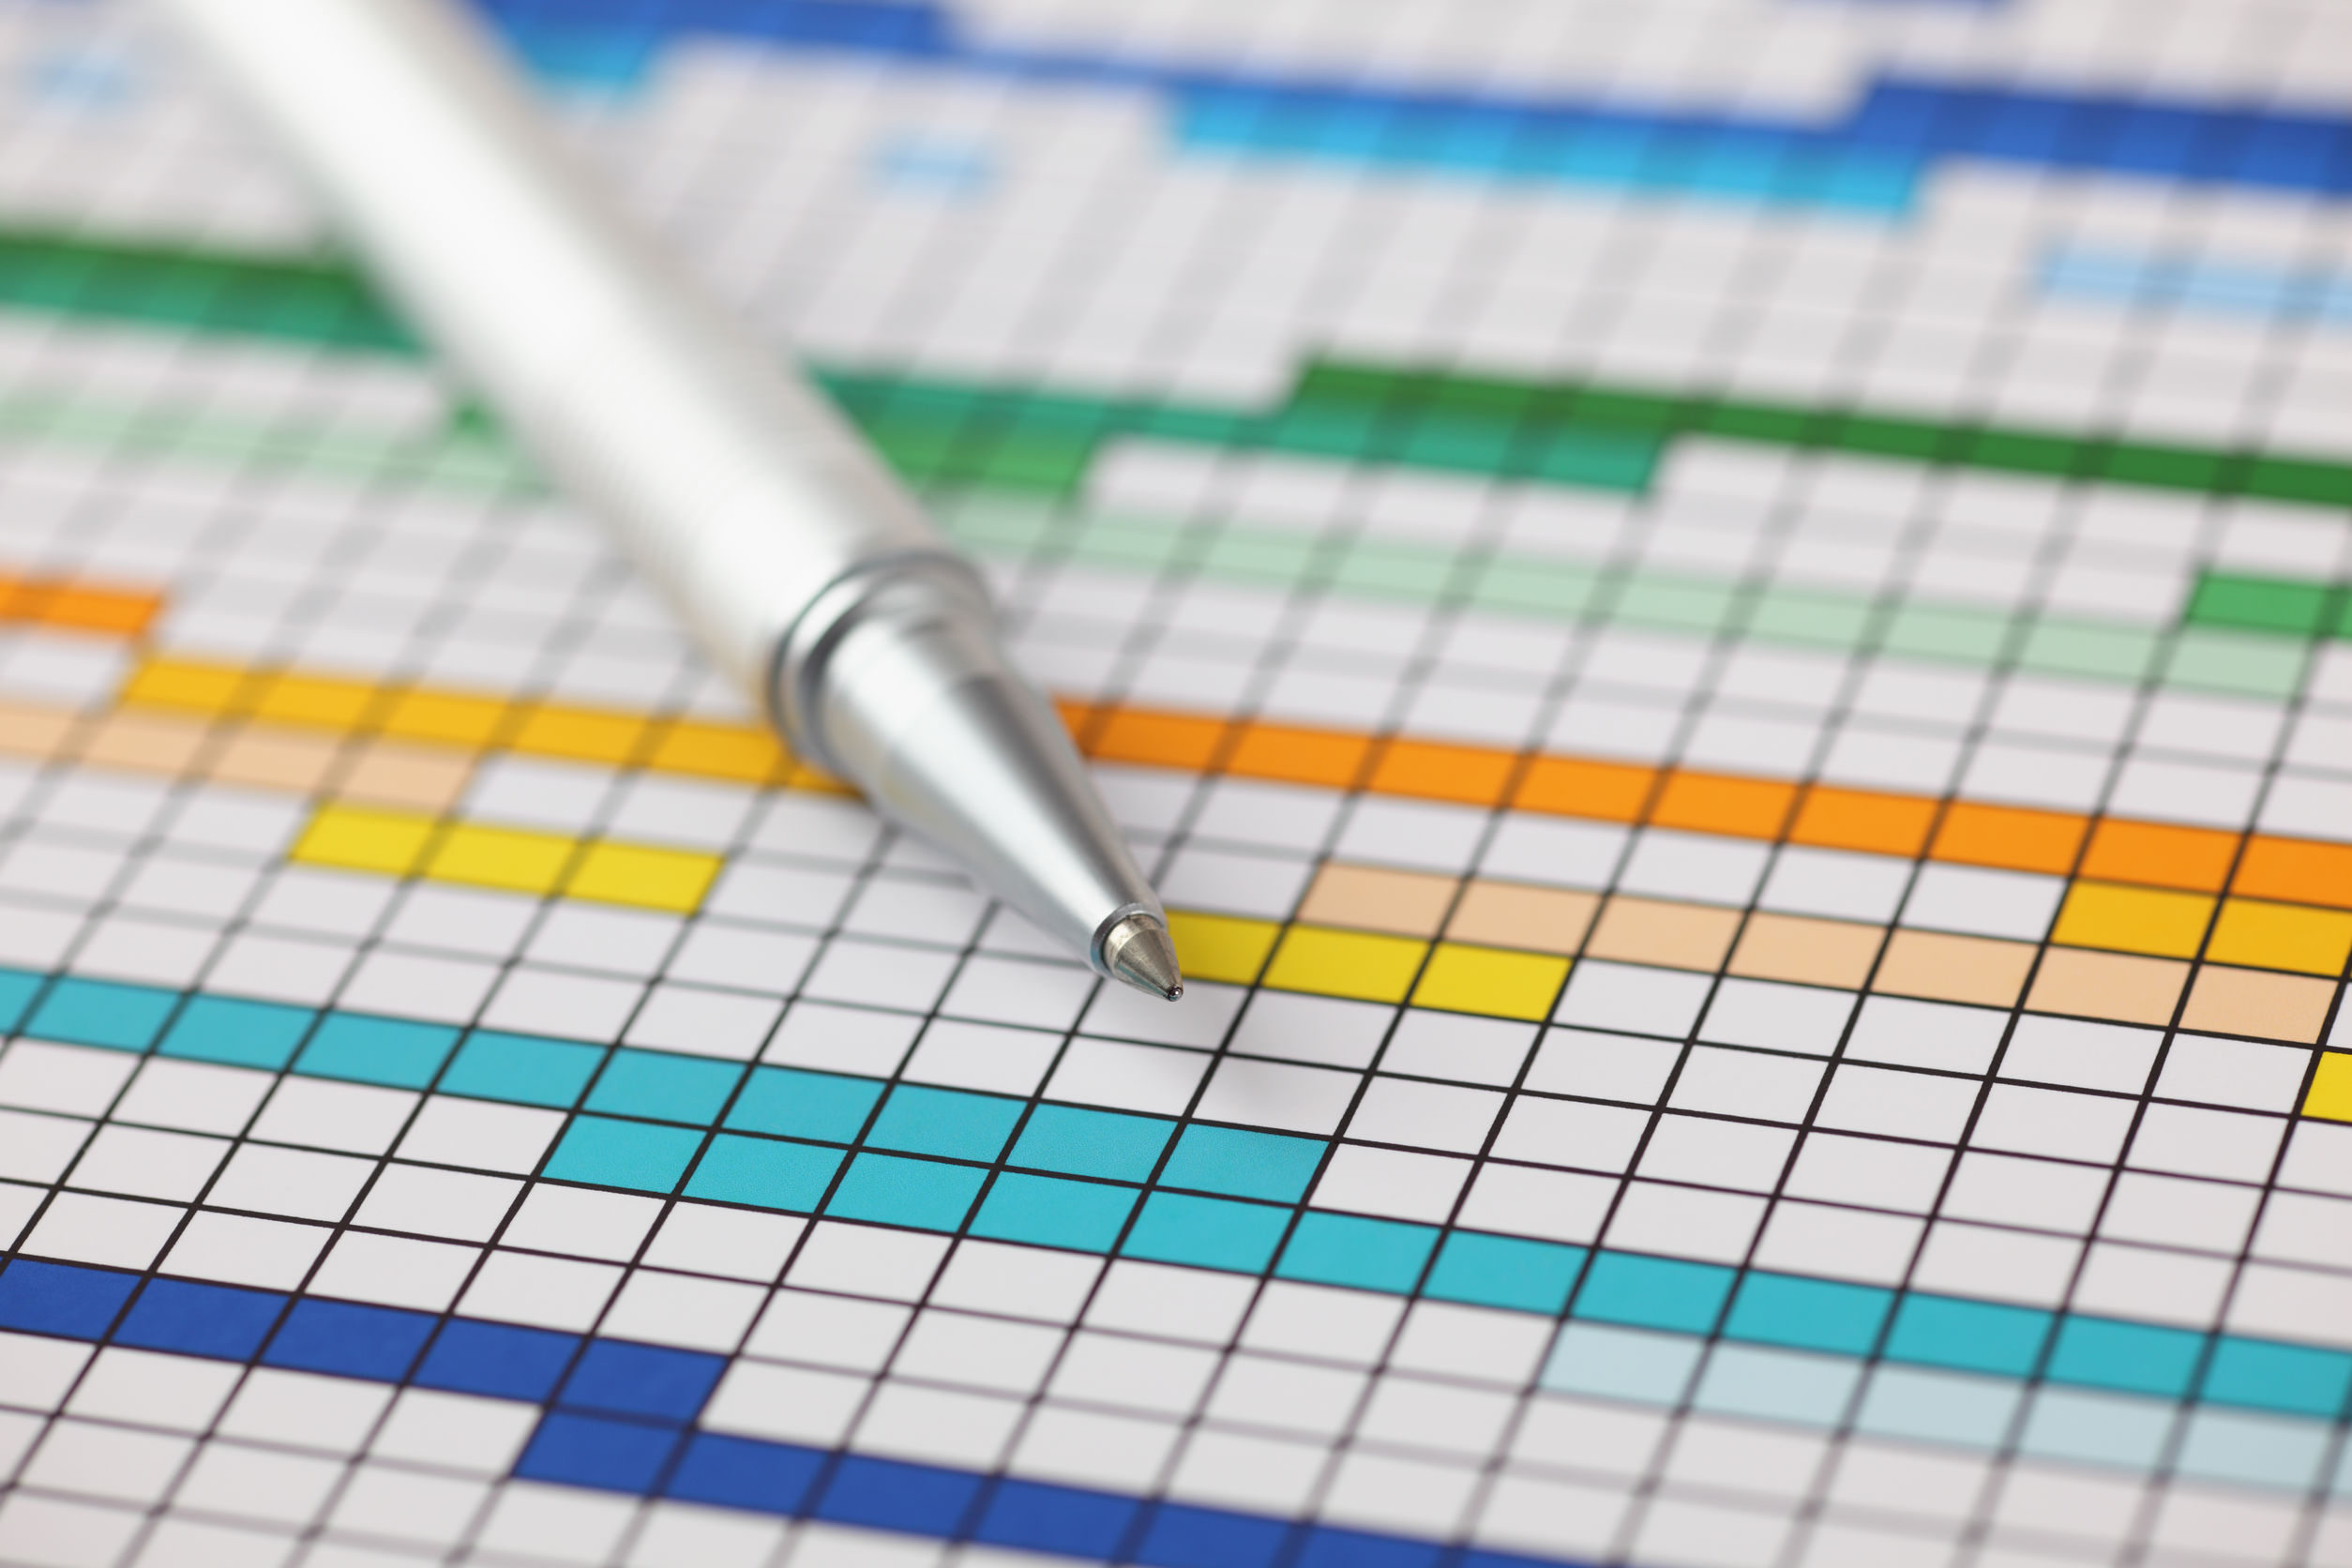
[738, 488]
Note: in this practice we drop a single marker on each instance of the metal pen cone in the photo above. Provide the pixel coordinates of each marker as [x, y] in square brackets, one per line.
[1141, 952]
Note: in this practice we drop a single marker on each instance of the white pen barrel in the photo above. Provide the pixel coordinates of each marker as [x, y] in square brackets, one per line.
[736, 488]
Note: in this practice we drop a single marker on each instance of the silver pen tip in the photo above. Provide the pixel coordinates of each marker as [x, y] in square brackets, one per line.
[1139, 950]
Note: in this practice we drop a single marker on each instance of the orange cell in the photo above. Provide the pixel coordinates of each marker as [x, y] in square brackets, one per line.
[1807, 951]
[1563, 787]
[2227, 1000]
[739, 752]
[2013, 837]
[1153, 739]
[1513, 914]
[2296, 870]
[2159, 854]
[2117, 986]
[107, 612]
[1294, 755]
[578, 735]
[1371, 898]
[1943, 967]
[1660, 932]
[1472, 775]
[449, 717]
[1720, 803]
[1835, 819]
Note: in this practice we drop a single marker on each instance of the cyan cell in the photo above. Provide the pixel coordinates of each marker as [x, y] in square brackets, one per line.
[2102, 1428]
[612, 1153]
[1653, 1292]
[1049, 1210]
[1967, 1336]
[1244, 1163]
[1808, 1314]
[944, 1121]
[826, 1106]
[922, 1195]
[1777, 1385]
[1504, 1271]
[2131, 1358]
[521, 1069]
[2297, 1380]
[664, 1086]
[102, 1012]
[237, 1032]
[2253, 1450]
[364, 1048]
[765, 1172]
[1347, 1249]
[1206, 1232]
[1104, 1143]
[1937, 1407]
[1622, 1364]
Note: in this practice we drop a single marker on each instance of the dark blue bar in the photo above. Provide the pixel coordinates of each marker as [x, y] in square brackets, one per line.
[378, 1343]
[591, 1451]
[221, 1321]
[626, 1378]
[498, 1359]
[60, 1298]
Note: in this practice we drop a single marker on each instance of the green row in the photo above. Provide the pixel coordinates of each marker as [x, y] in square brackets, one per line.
[2208, 655]
[1568, 432]
[2288, 607]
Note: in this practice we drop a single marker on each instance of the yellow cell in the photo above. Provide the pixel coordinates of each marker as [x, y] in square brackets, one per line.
[1344, 963]
[310, 700]
[1221, 946]
[731, 751]
[161, 682]
[2331, 1088]
[441, 716]
[580, 734]
[1490, 980]
[507, 857]
[643, 876]
[2134, 919]
[353, 838]
[2281, 936]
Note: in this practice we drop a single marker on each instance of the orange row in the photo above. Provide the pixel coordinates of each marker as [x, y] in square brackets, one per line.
[1972, 833]
[41, 601]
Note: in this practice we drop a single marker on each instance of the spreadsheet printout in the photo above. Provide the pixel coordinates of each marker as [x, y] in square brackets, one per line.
[1725, 623]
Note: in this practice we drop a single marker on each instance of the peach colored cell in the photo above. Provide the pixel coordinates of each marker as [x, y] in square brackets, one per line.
[395, 772]
[1658, 931]
[2116, 986]
[1513, 914]
[1368, 898]
[1941, 968]
[1810, 952]
[144, 742]
[2227, 1000]
[275, 759]
[27, 729]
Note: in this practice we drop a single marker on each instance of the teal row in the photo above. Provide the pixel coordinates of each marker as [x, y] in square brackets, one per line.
[1142, 1186]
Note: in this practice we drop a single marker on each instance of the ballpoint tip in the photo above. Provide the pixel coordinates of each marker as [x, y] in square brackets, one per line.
[1139, 950]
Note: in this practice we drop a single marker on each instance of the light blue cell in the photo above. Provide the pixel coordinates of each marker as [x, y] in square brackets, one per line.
[1622, 1364]
[237, 1032]
[1244, 1163]
[944, 1121]
[1777, 1385]
[765, 1172]
[2255, 1450]
[1206, 1232]
[1937, 1407]
[922, 1195]
[2101, 1428]
[1365, 1254]
[1049, 1210]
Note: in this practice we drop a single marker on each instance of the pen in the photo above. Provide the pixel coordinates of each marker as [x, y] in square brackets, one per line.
[801, 564]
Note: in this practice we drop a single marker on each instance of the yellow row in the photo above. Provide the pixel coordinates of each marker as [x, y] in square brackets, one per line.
[2168, 925]
[515, 860]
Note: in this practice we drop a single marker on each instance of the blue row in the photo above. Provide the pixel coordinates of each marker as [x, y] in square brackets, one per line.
[2188, 283]
[620, 1417]
[1900, 129]
[1218, 1197]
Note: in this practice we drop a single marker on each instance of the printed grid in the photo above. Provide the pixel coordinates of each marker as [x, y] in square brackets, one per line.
[553, 616]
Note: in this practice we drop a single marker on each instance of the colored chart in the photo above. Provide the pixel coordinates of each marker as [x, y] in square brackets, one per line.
[1727, 624]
